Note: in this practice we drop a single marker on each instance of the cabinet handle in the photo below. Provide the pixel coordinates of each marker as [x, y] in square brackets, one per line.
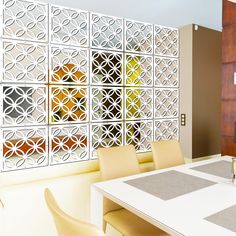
[234, 77]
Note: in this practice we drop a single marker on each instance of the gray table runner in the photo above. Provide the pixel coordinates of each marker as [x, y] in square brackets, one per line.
[170, 184]
[225, 218]
[220, 168]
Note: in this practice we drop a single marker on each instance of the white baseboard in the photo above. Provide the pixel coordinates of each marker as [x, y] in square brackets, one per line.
[190, 160]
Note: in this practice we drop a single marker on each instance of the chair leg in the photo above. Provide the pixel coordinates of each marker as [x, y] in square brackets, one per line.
[104, 226]
[110, 229]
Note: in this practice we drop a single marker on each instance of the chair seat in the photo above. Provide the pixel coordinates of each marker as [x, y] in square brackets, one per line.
[128, 224]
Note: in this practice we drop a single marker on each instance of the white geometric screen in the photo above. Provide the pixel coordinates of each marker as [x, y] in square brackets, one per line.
[68, 104]
[69, 26]
[106, 104]
[68, 143]
[138, 37]
[166, 41]
[106, 32]
[166, 72]
[139, 133]
[73, 81]
[138, 70]
[24, 105]
[106, 68]
[139, 103]
[24, 62]
[166, 101]
[25, 20]
[69, 65]
[24, 147]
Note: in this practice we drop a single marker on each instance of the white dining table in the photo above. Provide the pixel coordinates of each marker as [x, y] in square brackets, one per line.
[192, 213]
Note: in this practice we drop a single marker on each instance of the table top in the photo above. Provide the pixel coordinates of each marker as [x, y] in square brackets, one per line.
[199, 205]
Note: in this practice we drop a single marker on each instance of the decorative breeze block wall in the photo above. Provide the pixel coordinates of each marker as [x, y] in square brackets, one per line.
[72, 81]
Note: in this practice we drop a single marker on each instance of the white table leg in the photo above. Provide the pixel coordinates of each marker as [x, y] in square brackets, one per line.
[96, 210]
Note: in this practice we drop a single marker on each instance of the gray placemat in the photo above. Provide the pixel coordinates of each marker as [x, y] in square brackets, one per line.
[220, 168]
[225, 218]
[169, 184]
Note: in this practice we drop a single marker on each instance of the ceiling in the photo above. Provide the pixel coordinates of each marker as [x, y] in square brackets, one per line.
[174, 13]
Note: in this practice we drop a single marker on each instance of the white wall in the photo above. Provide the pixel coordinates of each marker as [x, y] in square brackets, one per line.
[174, 13]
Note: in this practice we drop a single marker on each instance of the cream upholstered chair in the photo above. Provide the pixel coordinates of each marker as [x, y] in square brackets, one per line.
[65, 224]
[167, 153]
[118, 162]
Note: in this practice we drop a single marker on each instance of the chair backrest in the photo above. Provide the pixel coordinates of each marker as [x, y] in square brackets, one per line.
[65, 224]
[167, 153]
[116, 162]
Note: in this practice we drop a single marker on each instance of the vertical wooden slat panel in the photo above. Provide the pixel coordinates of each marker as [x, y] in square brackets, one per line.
[228, 91]
[229, 43]
[229, 13]
[228, 116]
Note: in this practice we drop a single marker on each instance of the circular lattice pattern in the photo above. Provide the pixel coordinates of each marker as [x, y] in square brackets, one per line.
[166, 103]
[166, 72]
[24, 147]
[138, 70]
[69, 65]
[106, 32]
[69, 26]
[85, 79]
[106, 68]
[68, 104]
[106, 103]
[166, 41]
[139, 134]
[138, 37]
[24, 105]
[106, 135]
[26, 20]
[24, 62]
[139, 103]
[68, 143]
[166, 129]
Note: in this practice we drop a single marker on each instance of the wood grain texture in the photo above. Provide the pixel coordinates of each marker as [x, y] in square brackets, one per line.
[228, 117]
[228, 146]
[229, 43]
[228, 90]
[229, 13]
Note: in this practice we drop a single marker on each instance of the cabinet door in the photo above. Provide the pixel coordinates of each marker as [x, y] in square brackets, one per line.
[229, 16]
